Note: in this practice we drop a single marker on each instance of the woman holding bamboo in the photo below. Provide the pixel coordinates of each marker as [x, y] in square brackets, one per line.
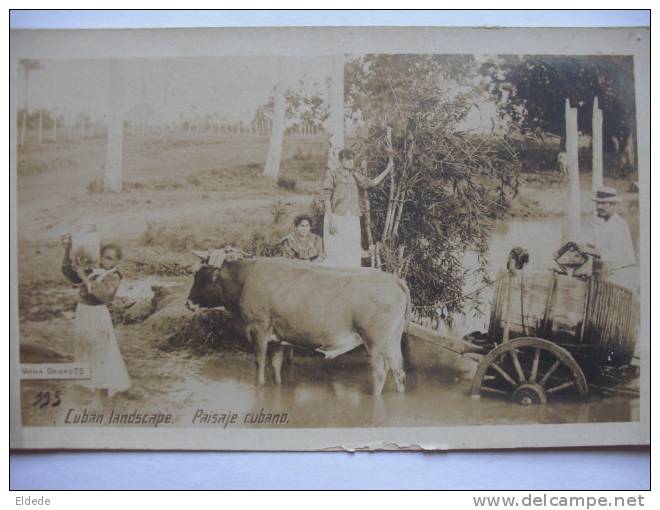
[341, 226]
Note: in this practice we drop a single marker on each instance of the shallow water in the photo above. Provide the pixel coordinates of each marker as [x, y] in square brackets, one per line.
[336, 393]
[319, 393]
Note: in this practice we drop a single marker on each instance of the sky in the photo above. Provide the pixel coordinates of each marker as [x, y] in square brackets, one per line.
[179, 89]
[231, 87]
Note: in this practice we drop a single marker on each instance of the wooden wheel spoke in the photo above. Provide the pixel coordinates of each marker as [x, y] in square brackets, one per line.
[550, 371]
[528, 365]
[516, 364]
[560, 387]
[535, 365]
[504, 375]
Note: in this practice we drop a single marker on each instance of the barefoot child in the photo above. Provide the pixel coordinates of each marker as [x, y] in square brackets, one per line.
[94, 335]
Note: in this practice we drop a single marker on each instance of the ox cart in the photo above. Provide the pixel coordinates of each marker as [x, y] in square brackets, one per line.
[547, 333]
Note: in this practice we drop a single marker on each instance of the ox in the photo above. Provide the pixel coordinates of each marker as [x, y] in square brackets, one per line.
[331, 310]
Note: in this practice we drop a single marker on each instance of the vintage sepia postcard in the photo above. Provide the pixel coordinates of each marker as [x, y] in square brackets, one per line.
[330, 238]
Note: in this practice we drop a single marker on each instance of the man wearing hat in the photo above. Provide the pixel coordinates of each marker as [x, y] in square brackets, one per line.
[612, 239]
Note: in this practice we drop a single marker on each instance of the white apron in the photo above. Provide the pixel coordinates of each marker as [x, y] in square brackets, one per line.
[344, 249]
[96, 344]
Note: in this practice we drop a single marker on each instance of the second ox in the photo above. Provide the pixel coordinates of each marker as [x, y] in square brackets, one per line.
[325, 309]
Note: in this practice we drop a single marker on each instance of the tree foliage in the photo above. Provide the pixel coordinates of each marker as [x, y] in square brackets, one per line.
[447, 186]
[301, 107]
[532, 91]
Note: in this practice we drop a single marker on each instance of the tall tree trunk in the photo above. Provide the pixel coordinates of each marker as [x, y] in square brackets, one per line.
[336, 110]
[272, 168]
[630, 153]
[23, 126]
[573, 191]
[596, 147]
[26, 109]
[40, 126]
[114, 154]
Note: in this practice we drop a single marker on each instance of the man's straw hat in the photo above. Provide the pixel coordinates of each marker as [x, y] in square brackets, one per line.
[606, 194]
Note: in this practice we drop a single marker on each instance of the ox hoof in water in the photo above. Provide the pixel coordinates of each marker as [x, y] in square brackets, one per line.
[381, 364]
[275, 352]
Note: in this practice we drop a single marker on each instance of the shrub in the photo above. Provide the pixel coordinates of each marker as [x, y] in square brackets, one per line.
[95, 187]
[301, 155]
[155, 262]
[194, 180]
[264, 244]
[207, 331]
[446, 186]
[286, 183]
[177, 238]
[133, 185]
[279, 210]
[317, 212]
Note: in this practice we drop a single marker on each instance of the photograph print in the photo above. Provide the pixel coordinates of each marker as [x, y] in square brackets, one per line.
[381, 243]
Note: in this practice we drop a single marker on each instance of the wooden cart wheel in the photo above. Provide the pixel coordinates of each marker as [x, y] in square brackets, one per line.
[529, 370]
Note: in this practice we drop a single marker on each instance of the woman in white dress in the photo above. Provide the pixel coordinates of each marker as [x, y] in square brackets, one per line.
[96, 343]
[341, 226]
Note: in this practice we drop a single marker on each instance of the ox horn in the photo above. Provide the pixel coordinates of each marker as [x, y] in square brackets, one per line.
[234, 253]
[237, 252]
[204, 255]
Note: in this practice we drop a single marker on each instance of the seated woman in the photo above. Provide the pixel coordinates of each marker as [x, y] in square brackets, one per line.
[302, 244]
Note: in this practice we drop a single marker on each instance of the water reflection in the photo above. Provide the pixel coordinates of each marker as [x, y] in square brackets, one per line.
[331, 394]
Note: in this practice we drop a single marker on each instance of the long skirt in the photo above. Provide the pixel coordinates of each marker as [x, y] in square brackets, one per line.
[344, 249]
[96, 344]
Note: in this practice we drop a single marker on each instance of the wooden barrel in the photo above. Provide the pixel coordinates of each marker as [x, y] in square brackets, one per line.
[593, 318]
